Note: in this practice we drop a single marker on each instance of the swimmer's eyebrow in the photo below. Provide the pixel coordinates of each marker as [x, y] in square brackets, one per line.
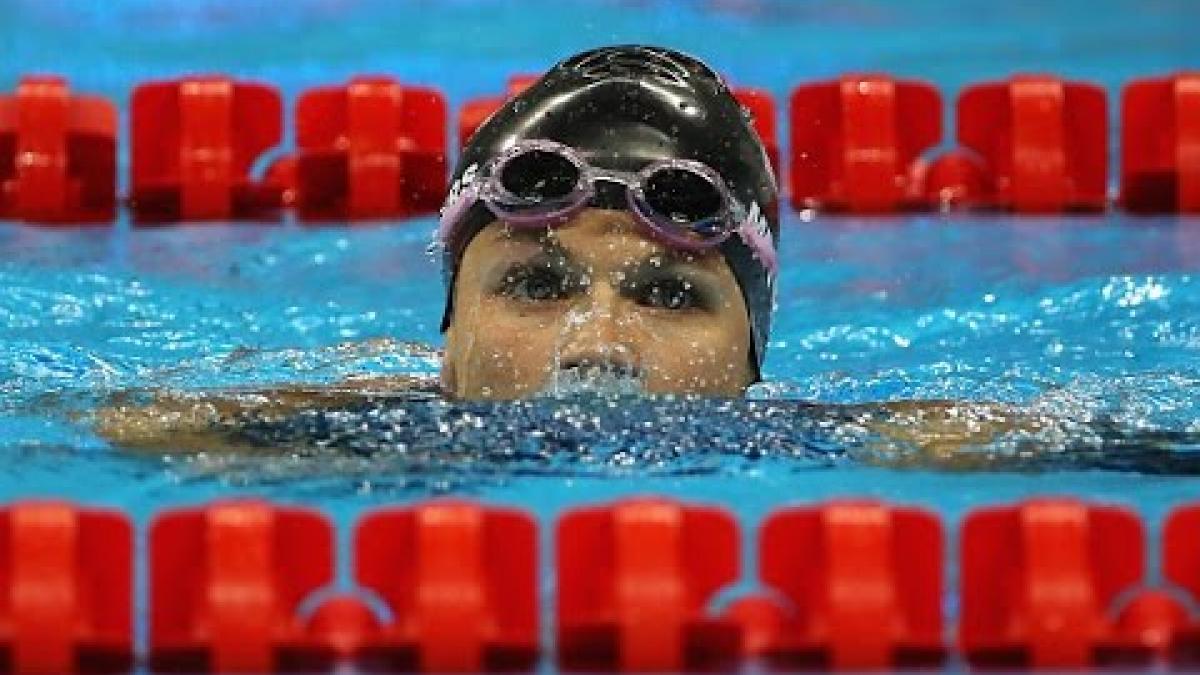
[672, 261]
[548, 254]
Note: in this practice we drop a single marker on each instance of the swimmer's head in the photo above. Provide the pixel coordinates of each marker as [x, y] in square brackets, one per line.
[614, 223]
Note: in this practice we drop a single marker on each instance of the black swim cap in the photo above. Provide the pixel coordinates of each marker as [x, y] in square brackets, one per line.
[621, 108]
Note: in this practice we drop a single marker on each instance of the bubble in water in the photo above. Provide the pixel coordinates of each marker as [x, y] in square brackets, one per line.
[435, 248]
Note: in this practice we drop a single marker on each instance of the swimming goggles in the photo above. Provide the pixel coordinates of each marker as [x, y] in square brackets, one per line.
[540, 183]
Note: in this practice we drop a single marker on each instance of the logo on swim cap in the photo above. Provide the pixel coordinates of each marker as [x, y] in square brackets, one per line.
[459, 187]
[761, 226]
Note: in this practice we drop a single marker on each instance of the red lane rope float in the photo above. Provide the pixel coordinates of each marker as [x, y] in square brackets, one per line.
[373, 148]
[862, 582]
[57, 154]
[1181, 567]
[634, 581]
[67, 580]
[460, 580]
[1042, 142]
[1045, 583]
[1160, 144]
[1039, 580]
[225, 584]
[855, 142]
[194, 142]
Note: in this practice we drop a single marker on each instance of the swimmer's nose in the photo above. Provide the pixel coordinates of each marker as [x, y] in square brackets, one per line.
[602, 315]
[603, 334]
[600, 310]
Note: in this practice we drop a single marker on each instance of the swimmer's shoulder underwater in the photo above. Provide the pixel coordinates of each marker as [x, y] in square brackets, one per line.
[613, 229]
[923, 434]
[208, 421]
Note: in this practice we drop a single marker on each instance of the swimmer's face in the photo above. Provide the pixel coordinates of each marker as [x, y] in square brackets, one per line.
[593, 295]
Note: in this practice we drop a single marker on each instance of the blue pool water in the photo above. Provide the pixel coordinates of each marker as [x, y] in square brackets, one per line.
[1083, 318]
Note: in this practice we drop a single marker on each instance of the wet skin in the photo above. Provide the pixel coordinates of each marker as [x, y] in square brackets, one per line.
[596, 293]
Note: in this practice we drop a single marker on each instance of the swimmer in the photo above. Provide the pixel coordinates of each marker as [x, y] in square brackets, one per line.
[614, 226]
[610, 230]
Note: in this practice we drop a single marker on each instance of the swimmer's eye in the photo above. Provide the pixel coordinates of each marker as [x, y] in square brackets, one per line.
[540, 283]
[672, 293]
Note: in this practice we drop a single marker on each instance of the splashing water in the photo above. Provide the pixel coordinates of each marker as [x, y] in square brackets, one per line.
[603, 381]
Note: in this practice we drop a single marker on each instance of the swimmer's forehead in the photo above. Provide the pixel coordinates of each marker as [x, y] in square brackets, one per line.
[594, 231]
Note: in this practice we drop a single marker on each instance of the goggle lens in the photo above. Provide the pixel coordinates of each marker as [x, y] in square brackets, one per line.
[687, 200]
[538, 176]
